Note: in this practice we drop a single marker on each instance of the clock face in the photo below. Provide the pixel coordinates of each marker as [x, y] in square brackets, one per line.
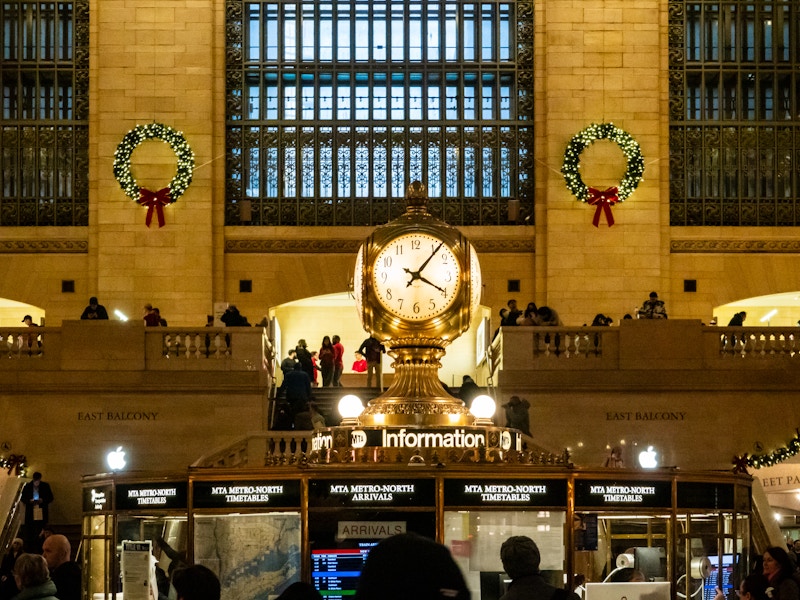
[416, 277]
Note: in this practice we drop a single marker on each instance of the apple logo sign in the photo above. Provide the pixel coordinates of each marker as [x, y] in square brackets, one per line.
[116, 459]
[648, 458]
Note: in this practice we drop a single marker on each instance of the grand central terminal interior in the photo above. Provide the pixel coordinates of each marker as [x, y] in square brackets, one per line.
[403, 171]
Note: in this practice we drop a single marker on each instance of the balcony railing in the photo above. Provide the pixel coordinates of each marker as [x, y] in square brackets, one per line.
[121, 346]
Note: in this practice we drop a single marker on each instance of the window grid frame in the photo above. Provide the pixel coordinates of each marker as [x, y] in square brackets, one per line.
[419, 160]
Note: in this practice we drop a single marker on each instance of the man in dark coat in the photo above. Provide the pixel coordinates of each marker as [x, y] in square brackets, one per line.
[521, 558]
[297, 388]
[36, 497]
[65, 573]
[304, 356]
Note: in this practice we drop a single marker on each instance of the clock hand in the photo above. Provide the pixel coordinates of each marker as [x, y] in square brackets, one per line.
[425, 264]
[414, 276]
[431, 284]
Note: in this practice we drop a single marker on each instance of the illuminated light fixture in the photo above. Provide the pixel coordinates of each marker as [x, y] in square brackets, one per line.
[350, 407]
[116, 459]
[768, 316]
[778, 516]
[648, 459]
[483, 409]
[122, 316]
[453, 418]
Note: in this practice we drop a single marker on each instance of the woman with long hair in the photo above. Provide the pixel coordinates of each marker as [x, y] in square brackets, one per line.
[326, 361]
[779, 569]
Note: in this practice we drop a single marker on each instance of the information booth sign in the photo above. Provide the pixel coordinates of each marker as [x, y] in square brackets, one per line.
[383, 493]
[163, 495]
[97, 498]
[246, 494]
[505, 492]
[628, 494]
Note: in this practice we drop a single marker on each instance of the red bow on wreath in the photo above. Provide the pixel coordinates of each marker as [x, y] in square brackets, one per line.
[740, 464]
[604, 200]
[15, 461]
[154, 200]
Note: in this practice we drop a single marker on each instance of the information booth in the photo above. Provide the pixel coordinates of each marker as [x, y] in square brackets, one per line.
[262, 529]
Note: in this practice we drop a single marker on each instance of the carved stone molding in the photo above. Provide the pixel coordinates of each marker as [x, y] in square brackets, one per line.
[44, 247]
[315, 246]
[735, 246]
[292, 246]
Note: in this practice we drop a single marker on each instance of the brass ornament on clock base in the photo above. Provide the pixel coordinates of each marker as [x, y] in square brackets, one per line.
[417, 284]
[416, 396]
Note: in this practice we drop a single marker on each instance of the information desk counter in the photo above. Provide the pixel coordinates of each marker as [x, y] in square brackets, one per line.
[263, 529]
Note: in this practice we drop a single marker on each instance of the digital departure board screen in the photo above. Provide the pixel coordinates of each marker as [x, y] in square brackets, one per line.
[335, 572]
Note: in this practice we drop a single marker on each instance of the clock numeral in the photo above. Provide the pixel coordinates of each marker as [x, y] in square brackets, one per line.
[444, 292]
[415, 244]
[444, 259]
[389, 294]
[398, 250]
[448, 276]
[387, 261]
[415, 308]
[400, 303]
[384, 276]
[432, 304]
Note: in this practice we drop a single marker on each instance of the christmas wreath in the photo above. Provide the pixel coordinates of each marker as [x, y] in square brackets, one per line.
[183, 176]
[602, 199]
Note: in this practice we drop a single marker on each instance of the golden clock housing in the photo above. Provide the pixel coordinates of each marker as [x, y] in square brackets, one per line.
[417, 285]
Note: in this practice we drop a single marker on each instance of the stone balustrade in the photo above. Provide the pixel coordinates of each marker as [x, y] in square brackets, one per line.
[88, 345]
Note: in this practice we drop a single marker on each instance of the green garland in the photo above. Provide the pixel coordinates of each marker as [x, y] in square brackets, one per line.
[16, 462]
[176, 141]
[603, 131]
[776, 456]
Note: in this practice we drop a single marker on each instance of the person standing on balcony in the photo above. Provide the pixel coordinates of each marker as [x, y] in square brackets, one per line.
[150, 317]
[372, 349]
[94, 311]
[737, 321]
[512, 315]
[338, 361]
[653, 308]
[327, 356]
[304, 358]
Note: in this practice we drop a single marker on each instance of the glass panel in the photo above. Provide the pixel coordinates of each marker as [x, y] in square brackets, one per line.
[475, 537]
[261, 552]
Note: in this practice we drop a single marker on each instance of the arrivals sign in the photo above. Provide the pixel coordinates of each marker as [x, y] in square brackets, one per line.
[505, 492]
[243, 494]
[371, 492]
[147, 496]
[623, 493]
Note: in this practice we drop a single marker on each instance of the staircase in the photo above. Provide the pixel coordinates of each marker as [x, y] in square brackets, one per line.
[327, 399]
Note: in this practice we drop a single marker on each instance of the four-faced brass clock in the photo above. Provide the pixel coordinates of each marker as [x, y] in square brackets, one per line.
[417, 284]
[416, 276]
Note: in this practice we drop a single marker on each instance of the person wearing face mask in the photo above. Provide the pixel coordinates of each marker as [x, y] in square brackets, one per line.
[779, 570]
[194, 583]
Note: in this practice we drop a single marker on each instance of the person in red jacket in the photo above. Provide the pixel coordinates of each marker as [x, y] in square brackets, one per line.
[338, 361]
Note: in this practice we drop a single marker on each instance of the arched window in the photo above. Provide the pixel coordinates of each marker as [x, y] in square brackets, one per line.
[333, 108]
